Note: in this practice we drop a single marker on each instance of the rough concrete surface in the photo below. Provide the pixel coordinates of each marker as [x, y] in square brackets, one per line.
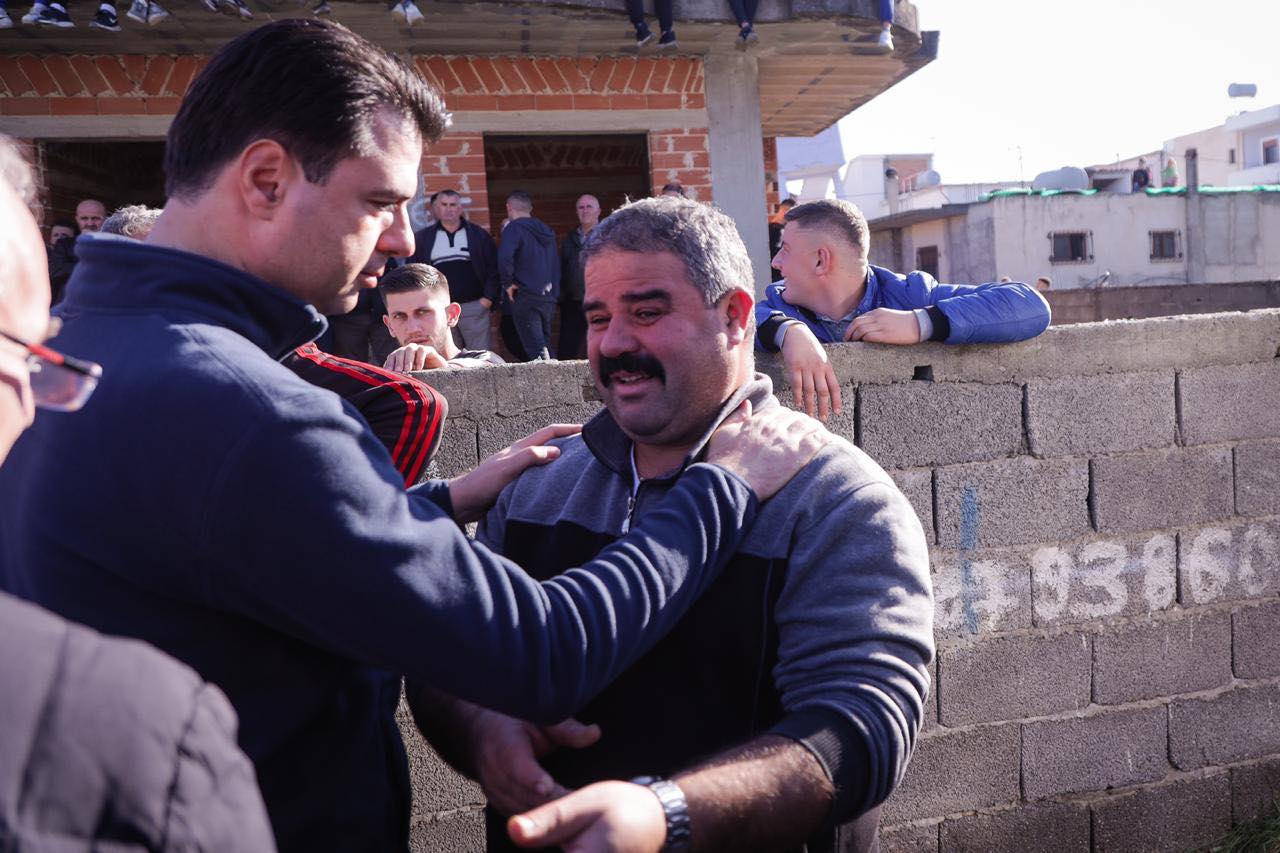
[1088, 415]
[460, 832]
[1255, 643]
[457, 451]
[1090, 753]
[1083, 581]
[1255, 790]
[437, 788]
[496, 433]
[1009, 678]
[469, 392]
[1258, 478]
[1177, 816]
[1046, 828]
[520, 388]
[1230, 402]
[909, 839]
[979, 593]
[1012, 502]
[915, 423]
[1227, 562]
[957, 771]
[1162, 488]
[917, 485]
[1238, 725]
[1162, 658]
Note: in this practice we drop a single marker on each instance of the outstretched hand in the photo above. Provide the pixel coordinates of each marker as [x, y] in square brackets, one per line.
[474, 492]
[607, 817]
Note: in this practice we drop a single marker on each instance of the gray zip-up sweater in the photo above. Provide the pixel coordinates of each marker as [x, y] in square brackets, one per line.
[820, 628]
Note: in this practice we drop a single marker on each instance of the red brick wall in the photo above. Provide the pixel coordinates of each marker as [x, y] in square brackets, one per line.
[457, 162]
[772, 190]
[681, 156]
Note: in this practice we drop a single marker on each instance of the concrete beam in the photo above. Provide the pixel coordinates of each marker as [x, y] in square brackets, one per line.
[576, 121]
[86, 127]
[736, 140]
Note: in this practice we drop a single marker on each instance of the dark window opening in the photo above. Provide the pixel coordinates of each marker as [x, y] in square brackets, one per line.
[1070, 247]
[1164, 246]
[927, 260]
[115, 173]
[1231, 155]
[1270, 151]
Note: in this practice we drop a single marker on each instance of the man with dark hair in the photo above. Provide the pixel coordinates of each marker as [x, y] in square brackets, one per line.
[419, 316]
[776, 223]
[673, 190]
[61, 256]
[783, 709]
[573, 326]
[830, 293]
[529, 271]
[467, 257]
[249, 523]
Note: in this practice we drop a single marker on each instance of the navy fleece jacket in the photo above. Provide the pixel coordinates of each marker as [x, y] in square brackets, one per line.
[527, 258]
[209, 501]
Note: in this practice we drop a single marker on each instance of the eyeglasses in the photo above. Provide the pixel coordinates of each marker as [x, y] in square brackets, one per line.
[58, 382]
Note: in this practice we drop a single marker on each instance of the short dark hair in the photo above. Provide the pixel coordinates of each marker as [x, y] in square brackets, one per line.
[65, 223]
[311, 85]
[521, 200]
[673, 187]
[834, 217]
[436, 195]
[411, 277]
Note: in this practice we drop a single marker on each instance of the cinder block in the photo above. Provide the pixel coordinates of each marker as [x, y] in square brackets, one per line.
[917, 485]
[958, 771]
[1255, 790]
[909, 839]
[1012, 502]
[1185, 815]
[930, 719]
[1088, 415]
[939, 423]
[1255, 642]
[457, 451]
[470, 393]
[1013, 677]
[844, 424]
[978, 593]
[1229, 562]
[458, 832]
[1258, 478]
[1249, 392]
[1237, 725]
[520, 388]
[1094, 752]
[497, 433]
[1164, 488]
[1161, 658]
[1084, 581]
[1046, 828]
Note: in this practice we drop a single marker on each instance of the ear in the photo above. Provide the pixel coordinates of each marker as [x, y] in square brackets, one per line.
[825, 257]
[736, 307]
[265, 175]
[386, 321]
[453, 311]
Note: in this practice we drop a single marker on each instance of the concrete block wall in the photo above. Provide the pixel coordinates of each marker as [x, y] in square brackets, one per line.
[1103, 505]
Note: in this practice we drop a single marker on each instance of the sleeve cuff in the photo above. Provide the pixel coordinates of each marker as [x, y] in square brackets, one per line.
[840, 749]
[941, 325]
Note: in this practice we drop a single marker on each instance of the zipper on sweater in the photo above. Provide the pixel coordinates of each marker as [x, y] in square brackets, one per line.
[631, 510]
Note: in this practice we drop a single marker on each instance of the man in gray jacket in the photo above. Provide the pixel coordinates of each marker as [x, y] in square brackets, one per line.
[801, 673]
[105, 743]
[529, 270]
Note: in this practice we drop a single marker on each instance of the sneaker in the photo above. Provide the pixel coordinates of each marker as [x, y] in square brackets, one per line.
[884, 42]
[236, 7]
[322, 8]
[410, 12]
[155, 14]
[398, 9]
[52, 16]
[644, 35]
[106, 20]
[747, 36]
[668, 39]
[5, 21]
[30, 17]
[137, 11]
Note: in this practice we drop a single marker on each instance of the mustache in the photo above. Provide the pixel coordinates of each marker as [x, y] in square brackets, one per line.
[629, 362]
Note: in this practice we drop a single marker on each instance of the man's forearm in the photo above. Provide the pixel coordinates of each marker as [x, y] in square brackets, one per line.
[767, 794]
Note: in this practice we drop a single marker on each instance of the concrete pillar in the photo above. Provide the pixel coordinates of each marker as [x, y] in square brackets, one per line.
[1193, 248]
[734, 137]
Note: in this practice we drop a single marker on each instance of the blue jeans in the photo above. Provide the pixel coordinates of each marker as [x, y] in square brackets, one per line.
[531, 316]
[886, 10]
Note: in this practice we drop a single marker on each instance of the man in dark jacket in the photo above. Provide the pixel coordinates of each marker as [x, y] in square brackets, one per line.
[573, 326]
[466, 255]
[250, 524]
[530, 274]
[105, 743]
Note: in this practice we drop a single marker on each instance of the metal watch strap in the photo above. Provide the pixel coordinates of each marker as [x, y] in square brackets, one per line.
[676, 810]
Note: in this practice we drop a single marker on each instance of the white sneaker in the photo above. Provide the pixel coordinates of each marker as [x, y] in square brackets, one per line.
[5, 21]
[36, 9]
[398, 9]
[137, 11]
[155, 14]
[412, 14]
[885, 42]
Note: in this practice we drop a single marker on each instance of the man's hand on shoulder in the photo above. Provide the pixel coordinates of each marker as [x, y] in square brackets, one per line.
[505, 753]
[766, 448]
[885, 326]
[814, 386]
[617, 817]
[412, 357]
[474, 492]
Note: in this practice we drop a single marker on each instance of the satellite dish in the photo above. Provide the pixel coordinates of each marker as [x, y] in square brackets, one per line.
[1242, 90]
[928, 178]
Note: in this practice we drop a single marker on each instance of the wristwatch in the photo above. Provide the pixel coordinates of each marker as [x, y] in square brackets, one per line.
[676, 809]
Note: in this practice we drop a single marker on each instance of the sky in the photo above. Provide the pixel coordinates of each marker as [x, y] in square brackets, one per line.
[1024, 86]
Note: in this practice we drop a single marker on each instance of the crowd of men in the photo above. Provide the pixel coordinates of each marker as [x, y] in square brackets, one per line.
[699, 621]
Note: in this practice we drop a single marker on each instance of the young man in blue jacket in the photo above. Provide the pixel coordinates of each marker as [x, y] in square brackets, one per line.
[830, 293]
[209, 501]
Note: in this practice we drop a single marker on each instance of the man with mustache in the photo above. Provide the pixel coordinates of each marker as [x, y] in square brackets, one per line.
[783, 709]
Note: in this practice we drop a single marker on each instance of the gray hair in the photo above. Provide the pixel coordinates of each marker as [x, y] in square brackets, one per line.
[16, 171]
[705, 240]
[131, 220]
